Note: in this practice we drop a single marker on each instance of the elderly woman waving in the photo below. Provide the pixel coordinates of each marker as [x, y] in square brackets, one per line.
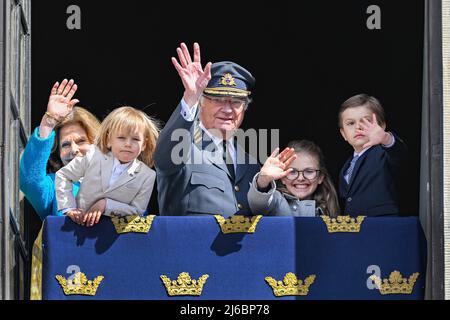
[64, 133]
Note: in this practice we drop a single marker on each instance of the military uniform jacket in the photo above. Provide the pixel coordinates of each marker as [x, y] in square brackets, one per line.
[199, 184]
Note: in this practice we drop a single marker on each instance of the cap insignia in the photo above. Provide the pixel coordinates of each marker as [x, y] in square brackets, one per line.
[227, 80]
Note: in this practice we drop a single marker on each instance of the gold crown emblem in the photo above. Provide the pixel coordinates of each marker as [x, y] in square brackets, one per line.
[396, 284]
[79, 285]
[228, 80]
[291, 285]
[132, 223]
[238, 224]
[343, 223]
[184, 285]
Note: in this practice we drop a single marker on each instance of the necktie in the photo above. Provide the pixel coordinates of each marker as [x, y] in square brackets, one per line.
[351, 168]
[227, 159]
[198, 134]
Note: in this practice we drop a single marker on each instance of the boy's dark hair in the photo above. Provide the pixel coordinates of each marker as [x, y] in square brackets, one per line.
[365, 100]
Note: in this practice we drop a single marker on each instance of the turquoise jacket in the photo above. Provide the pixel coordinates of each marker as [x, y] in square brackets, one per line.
[38, 186]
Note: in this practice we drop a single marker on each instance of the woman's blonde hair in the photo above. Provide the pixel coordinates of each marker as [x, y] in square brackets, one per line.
[128, 119]
[325, 195]
[84, 119]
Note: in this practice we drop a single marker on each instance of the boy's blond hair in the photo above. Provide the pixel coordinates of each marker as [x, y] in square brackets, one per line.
[127, 119]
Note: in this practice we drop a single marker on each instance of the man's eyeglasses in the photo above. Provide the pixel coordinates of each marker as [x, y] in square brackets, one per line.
[308, 174]
[219, 101]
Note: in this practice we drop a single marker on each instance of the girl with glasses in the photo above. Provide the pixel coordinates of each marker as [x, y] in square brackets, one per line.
[294, 182]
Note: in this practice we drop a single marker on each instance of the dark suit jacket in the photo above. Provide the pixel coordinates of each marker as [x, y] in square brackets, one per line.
[192, 187]
[372, 189]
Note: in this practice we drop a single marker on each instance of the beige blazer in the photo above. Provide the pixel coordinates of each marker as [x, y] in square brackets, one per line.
[129, 195]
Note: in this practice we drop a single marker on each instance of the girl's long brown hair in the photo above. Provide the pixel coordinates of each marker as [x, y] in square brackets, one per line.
[325, 195]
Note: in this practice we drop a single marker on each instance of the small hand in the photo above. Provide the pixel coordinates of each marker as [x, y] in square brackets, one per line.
[276, 166]
[93, 215]
[194, 77]
[374, 133]
[60, 102]
[76, 215]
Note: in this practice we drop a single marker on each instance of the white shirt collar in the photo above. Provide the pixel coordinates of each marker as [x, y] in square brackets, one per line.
[361, 153]
[217, 141]
[119, 167]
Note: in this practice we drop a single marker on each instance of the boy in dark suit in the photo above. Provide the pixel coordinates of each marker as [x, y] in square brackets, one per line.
[367, 182]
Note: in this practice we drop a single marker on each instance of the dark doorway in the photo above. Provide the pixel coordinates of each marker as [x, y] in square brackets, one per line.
[307, 59]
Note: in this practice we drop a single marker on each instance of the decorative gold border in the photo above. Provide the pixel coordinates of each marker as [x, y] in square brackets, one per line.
[36, 268]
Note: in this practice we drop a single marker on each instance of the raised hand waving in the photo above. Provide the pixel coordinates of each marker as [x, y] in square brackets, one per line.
[276, 166]
[60, 102]
[194, 77]
[374, 133]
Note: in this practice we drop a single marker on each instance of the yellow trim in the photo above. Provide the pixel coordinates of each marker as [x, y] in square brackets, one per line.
[227, 91]
[226, 88]
[36, 268]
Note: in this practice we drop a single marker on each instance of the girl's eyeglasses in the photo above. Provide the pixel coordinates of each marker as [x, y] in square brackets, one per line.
[308, 174]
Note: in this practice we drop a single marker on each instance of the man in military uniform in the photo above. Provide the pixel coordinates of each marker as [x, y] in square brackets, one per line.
[200, 167]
